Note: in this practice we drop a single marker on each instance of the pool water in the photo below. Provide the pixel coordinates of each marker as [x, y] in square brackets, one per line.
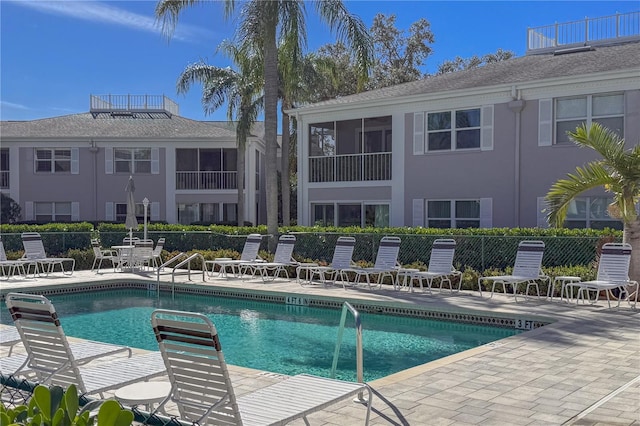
[273, 337]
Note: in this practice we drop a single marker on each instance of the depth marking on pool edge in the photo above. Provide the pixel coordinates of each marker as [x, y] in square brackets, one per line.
[296, 300]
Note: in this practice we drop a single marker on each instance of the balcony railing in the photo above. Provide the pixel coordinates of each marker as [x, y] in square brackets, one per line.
[350, 168]
[4, 179]
[206, 180]
[130, 103]
[590, 31]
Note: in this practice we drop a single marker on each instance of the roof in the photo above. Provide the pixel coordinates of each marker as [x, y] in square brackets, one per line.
[84, 125]
[512, 71]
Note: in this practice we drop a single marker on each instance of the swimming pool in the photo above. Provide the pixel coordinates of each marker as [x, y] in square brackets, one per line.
[273, 337]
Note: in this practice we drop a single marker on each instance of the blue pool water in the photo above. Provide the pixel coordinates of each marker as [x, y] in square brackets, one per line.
[273, 337]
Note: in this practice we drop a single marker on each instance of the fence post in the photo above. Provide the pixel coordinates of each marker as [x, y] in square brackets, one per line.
[482, 252]
[586, 29]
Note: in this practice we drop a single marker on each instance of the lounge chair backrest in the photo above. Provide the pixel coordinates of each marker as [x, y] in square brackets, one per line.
[3, 255]
[33, 247]
[284, 250]
[388, 250]
[343, 253]
[251, 247]
[200, 382]
[614, 262]
[42, 336]
[529, 259]
[157, 250]
[442, 252]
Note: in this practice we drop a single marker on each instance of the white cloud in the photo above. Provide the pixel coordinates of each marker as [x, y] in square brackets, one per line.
[11, 105]
[96, 11]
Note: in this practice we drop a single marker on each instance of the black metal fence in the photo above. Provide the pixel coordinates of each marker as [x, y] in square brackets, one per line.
[472, 251]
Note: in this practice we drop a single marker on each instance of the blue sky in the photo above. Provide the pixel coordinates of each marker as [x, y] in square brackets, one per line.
[53, 55]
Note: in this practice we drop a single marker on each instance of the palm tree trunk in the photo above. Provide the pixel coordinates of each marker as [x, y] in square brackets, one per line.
[631, 235]
[241, 172]
[271, 127]
[286, 184]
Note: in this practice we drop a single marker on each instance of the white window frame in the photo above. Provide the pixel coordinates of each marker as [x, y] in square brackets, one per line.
[452, 212]
[52, 161]
[133, 161]
[453, 130]
[55, 211]
[588, 220]
[121, 217]
[589, 118]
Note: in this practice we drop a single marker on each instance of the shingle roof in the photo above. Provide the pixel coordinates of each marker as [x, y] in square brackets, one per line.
[85, 125]
[517, 70]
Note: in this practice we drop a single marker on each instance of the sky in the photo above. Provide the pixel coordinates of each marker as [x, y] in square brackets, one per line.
[55, 54]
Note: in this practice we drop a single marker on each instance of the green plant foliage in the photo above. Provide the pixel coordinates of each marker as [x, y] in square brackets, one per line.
[54, 407]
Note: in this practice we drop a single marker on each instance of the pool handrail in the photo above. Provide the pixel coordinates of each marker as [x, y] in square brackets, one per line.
[346, 307]
[186, 261]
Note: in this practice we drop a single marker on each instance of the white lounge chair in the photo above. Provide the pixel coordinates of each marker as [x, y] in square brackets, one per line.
[386, 263]
[10, 337]
[157, 253]
[10, 268]
[34, 252]
[527, 269]
[249, 254]
[282, 259]
[613, 274]
[101, 254]
[55, 361]
[342, 254]
[202, 389]
[440, 266]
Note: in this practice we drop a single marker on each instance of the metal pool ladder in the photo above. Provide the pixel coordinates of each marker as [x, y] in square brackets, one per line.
[346, 307]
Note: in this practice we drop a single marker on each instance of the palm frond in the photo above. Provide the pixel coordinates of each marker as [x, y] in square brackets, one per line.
[563, 191]
[168, 12]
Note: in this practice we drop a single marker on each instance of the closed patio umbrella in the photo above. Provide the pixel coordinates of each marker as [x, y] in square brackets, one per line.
[131, 222]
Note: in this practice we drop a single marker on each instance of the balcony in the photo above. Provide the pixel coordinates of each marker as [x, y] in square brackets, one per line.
[133, 103]
[4, 179]
[350, 168]
[206, 180]
[618, 28]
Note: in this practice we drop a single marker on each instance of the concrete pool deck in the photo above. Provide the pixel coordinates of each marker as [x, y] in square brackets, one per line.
[582, 369]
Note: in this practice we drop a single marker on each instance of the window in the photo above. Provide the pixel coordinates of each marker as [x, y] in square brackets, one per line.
[453, 130]
[607, 109]
[230, 212]
[453, 213]
[53, 160]
[4, 168]
[206, 213]
[52, 212]
[132, 160]
[322, 140]
[591, 212]
[376, 215]
[121, 212]
[352, 214]
[323, 215]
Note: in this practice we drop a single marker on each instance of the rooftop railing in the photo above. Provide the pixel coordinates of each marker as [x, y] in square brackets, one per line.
[133, 103]
[618, 28]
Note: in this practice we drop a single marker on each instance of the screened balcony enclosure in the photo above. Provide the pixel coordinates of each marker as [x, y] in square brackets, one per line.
[350, 150]
[206, 169]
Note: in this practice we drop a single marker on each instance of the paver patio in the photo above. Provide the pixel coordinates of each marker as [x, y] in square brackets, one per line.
[582, 369]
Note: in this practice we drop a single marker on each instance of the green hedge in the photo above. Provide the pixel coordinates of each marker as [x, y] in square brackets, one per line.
[477, 249]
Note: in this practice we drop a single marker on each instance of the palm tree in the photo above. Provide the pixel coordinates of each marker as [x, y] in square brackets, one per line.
[618, 172]
[262, 24]
[239, 90]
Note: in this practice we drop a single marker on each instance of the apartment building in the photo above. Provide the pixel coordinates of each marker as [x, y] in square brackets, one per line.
[474, 148]
[76, 167]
